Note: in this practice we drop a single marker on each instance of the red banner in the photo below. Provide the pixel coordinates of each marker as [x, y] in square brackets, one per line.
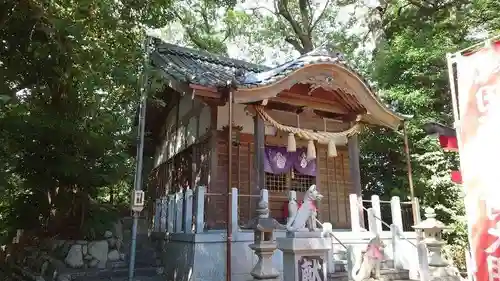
[479, 106]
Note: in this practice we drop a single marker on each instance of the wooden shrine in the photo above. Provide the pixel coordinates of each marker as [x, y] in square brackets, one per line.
[224, 123]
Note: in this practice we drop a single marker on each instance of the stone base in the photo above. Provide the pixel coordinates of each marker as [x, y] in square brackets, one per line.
[303, 234]
[264, 269]
[444, 273]
[306, 244]
[304, 257]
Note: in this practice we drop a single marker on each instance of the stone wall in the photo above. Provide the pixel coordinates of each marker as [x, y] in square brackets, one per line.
[202, 256]
[62, 260]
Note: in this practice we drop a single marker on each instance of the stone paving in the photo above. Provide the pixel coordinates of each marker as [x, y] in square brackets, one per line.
[139, 278]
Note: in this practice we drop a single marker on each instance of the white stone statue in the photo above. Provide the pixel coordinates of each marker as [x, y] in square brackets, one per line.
[369, 262]
[293, 206]
[306, 214]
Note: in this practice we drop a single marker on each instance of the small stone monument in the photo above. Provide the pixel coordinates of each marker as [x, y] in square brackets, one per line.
[432, 230]
[304, 248]
[264, 245]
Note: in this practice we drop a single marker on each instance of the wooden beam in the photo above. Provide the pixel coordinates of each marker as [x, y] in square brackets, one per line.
[288, 97]
[349, 117]
[259, 143]
[274, 105]
[211, 101]
[353, 148]
[203, 91]
[330, 96]
[308, 101]
[208, 94]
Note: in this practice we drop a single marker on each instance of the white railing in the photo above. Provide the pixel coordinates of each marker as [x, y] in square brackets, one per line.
[374, 213]
[174, 213]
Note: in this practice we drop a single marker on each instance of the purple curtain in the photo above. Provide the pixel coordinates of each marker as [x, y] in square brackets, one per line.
[278, 161]
[301, 165]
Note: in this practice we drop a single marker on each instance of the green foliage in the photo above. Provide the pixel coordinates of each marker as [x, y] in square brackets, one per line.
[410, 69]
[100, 219]
[69, 69]
[208, 24]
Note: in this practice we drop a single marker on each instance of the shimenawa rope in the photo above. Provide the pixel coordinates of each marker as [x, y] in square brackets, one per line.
[322, 137]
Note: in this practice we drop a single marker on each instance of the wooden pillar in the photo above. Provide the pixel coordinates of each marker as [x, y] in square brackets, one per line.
[353, 146]
[259, 151]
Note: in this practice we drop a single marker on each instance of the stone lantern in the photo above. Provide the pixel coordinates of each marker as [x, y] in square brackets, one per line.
[432, 229]
[264, 245]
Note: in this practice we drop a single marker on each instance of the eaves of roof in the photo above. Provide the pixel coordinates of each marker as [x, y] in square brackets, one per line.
[195, 67]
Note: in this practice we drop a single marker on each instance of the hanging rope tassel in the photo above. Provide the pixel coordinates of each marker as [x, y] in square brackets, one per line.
[311, 151]
[332, 149]
[292, 144]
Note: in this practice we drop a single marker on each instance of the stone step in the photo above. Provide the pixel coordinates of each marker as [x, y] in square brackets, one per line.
[146, 252]
[136, 278]
[147, 257]
[115, 273]
[385, 275]
[341, 265]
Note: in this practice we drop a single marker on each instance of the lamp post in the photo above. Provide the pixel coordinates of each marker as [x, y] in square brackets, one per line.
[137, 200]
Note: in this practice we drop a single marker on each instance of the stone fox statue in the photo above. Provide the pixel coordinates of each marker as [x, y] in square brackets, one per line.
[370, 261]
[306, 214]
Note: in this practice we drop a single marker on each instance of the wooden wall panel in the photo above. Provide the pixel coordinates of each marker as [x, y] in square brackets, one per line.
[334, 185]
[332, 179]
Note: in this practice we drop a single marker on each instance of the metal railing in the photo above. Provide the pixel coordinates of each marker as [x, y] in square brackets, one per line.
[246, 207]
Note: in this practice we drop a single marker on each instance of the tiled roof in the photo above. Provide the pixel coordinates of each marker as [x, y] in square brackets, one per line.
[206, 69]
[200, 67]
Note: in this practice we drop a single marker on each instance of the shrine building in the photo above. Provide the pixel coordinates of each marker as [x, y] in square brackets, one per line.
[224, 123]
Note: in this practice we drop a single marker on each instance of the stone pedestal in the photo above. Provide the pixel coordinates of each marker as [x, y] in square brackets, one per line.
[304, 256]
[264, 269]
